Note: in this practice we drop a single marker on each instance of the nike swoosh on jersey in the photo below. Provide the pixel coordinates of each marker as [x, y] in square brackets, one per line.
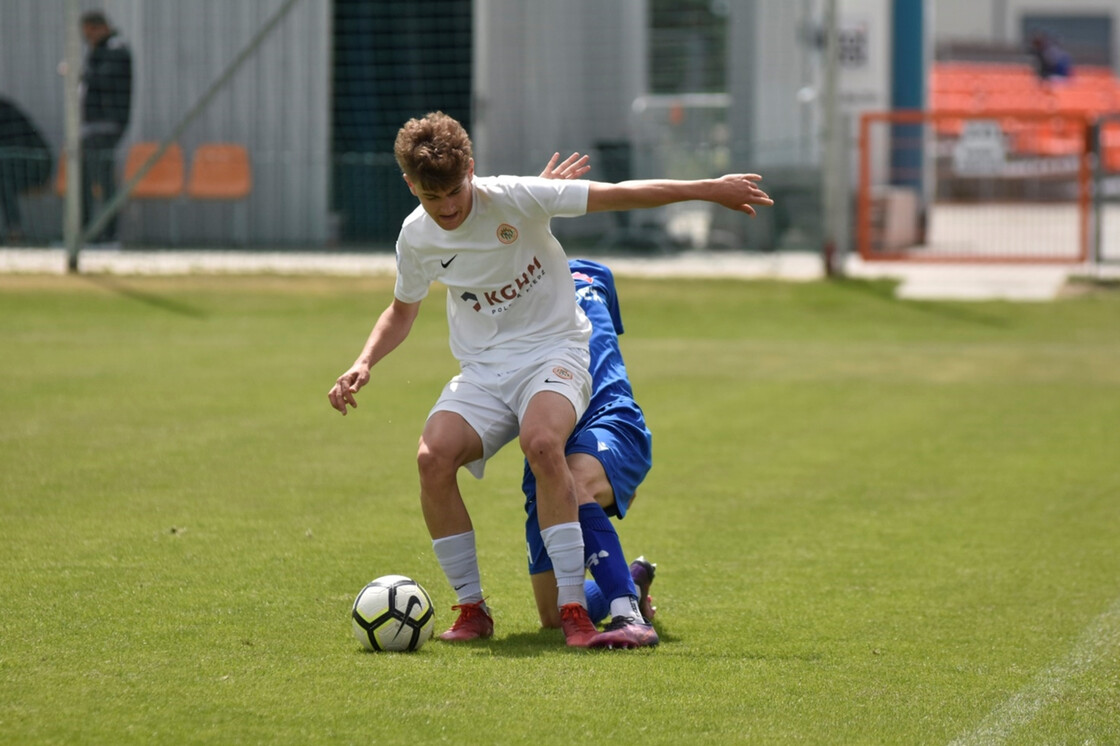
[447, 264]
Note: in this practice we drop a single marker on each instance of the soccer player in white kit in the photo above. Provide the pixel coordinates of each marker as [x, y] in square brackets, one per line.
[518, 334]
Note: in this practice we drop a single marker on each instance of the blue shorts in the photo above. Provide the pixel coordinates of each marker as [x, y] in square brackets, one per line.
[618, 437]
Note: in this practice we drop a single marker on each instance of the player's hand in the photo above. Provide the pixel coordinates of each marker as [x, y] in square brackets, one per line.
[573, 167]
[349, 383]
[740, 192]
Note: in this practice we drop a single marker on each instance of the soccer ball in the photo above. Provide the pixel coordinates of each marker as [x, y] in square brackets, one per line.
[393, 612]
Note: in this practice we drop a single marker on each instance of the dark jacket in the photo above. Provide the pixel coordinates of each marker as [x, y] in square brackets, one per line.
[107, 87]
[25, 158]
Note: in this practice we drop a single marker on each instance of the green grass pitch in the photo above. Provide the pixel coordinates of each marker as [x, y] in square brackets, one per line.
[876, 522]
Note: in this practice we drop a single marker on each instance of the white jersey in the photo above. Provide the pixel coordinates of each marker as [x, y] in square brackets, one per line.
[510, 294]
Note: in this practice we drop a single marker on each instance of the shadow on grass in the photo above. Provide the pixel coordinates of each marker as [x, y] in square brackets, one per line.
[162, 303]
[884, 291]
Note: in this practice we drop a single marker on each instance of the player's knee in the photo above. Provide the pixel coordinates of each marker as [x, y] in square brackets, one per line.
[543, 448]
[434, 462]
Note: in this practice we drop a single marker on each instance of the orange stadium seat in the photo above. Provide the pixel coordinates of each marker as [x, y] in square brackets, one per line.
[1052, 137]
[220, 171]
[1081, 99]
[1005, 90]
[164, 180]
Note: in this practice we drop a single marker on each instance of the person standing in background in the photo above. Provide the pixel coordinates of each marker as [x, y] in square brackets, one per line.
[106, 93]
[25, 163]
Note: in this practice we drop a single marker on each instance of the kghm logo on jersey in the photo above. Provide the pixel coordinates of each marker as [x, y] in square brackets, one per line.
[471, 298]
[507, 234]
[499, 301]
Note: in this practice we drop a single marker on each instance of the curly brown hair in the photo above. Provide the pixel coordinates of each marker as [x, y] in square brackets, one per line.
[433, 152]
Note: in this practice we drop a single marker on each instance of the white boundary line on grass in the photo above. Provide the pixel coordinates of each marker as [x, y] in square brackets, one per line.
[1100, 639]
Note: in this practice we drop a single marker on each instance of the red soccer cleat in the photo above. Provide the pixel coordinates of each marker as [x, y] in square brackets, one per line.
[579, 630]
[473, 623]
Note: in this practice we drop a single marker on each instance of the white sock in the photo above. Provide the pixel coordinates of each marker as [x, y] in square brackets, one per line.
[564, 543]
[626, 606]
[459, 560]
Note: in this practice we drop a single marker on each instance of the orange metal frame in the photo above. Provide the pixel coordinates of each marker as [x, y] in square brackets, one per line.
[863, 199]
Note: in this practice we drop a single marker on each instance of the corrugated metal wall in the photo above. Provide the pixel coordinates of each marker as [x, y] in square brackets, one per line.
[546, 76]
[278, 105]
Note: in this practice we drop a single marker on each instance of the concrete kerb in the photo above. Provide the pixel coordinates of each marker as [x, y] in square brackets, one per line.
[786, 266]
[967, 282]
[917, 280]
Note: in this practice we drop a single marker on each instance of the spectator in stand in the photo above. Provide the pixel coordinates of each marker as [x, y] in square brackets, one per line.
[1051, 61]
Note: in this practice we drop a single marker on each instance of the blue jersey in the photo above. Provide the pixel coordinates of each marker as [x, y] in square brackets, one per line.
[613, 429]
[611, 392]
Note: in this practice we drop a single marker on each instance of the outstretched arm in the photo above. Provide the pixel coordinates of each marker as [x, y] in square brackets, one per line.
[734, 191]
[390, 330]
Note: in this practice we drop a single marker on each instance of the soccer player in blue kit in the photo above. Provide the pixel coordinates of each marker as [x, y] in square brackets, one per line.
[520, 339]
[609, 454]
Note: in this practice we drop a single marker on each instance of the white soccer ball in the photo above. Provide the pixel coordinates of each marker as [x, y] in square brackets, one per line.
[393, 612]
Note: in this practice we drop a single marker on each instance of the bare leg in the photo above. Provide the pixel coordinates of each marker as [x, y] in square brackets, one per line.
[545, 428]
[448, 442]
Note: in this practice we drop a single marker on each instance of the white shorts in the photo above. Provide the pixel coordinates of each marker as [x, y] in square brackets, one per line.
[493, 399]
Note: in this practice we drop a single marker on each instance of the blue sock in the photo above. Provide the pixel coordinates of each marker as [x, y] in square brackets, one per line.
[603, 555]
[598, 607]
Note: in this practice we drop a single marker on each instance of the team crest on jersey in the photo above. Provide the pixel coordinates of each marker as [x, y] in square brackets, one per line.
[562, 373]
[507, 234]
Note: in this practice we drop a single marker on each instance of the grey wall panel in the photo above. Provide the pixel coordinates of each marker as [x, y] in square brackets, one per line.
[278, 104]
